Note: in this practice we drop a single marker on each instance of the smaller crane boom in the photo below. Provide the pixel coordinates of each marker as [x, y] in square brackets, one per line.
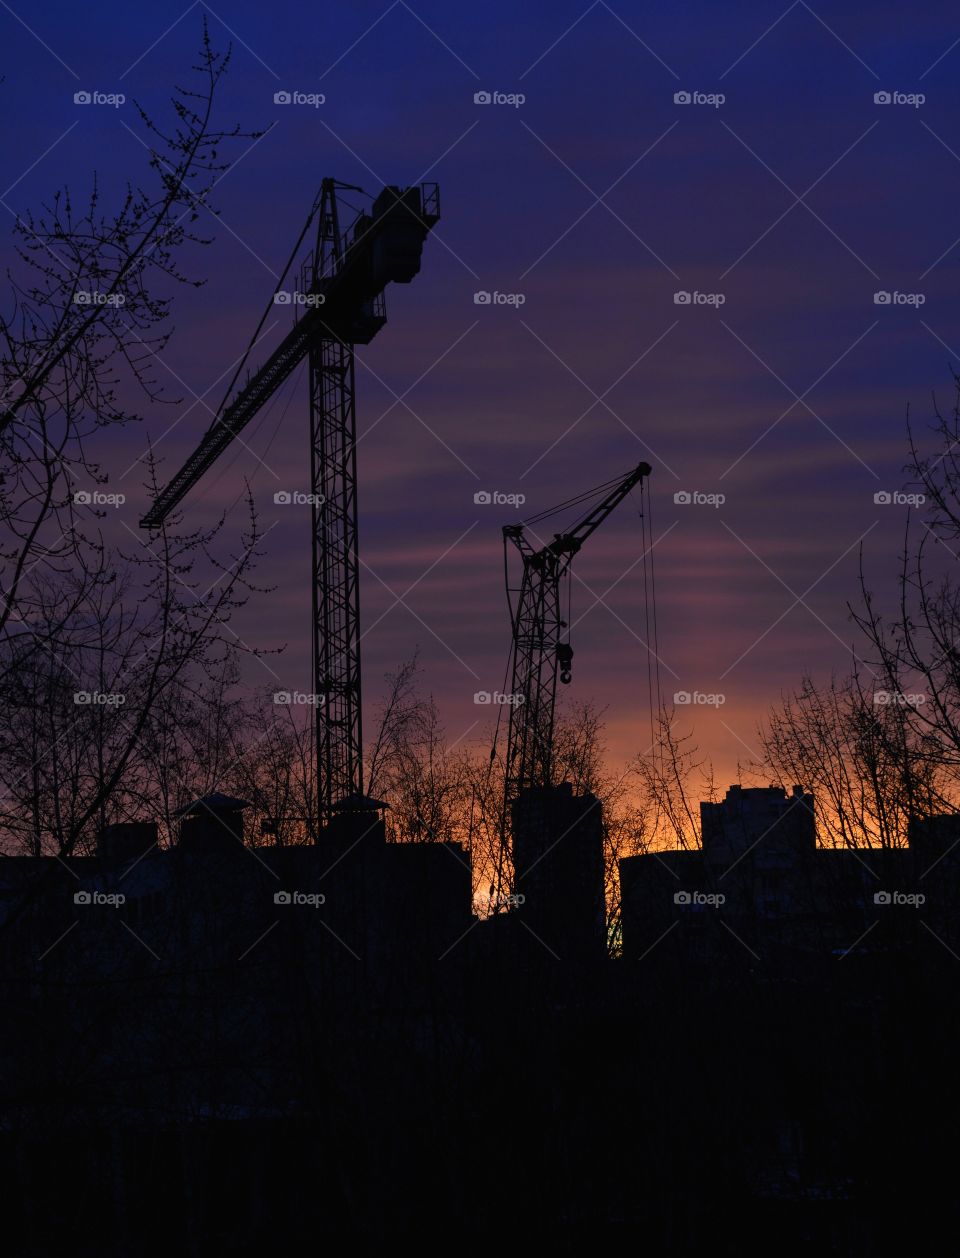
[540, 653]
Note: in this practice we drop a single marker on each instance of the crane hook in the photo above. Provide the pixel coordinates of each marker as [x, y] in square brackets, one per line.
[565, 661]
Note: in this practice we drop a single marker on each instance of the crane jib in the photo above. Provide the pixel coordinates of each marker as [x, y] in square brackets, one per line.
[348, 307]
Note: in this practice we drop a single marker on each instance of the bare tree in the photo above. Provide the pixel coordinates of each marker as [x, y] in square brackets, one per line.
[915, 650]
[86, 718]
[672, 779]
[86, 322]
[854, 750]
[410, 763]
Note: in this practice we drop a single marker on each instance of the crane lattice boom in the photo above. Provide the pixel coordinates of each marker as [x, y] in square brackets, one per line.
[343, 306]
[540, 653]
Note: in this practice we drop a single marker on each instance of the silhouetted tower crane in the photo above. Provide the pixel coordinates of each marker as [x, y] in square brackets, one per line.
[541, 646]
[340, 305]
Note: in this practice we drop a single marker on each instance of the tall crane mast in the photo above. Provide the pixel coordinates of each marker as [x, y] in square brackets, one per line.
[341, 305]
[541, 651]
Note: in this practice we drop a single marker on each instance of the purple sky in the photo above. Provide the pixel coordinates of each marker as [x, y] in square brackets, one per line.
[598, 199]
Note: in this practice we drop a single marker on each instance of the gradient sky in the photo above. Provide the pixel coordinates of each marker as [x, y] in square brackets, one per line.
[598, 199]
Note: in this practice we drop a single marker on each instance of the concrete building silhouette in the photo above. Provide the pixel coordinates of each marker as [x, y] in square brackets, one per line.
[558, 869]
[267, 1036]
[760, 885]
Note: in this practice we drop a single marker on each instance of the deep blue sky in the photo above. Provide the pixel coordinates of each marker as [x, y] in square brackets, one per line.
[701, 200]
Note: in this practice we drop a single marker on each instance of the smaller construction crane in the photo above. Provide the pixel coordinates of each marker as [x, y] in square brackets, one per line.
[541, 647]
